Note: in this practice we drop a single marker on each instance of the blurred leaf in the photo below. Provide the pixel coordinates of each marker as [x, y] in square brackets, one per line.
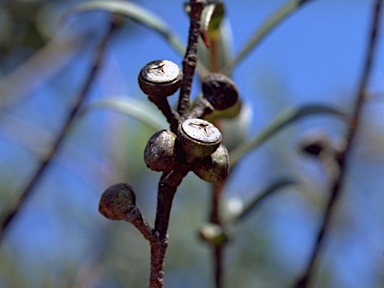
[281, 122]
[206, 16]
[254, 203]
[211, 19]
[216, 20]
[271, 23]
[133, 12]
[143, 112]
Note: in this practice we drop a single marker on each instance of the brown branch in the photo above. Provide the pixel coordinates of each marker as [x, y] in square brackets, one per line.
[190, 59]
[10, 215]
[166, 191]
[337, 186]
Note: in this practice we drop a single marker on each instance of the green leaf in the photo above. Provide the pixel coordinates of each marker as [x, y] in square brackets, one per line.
[255, 203]
[145, 113]
[133, 12]
[281, 122]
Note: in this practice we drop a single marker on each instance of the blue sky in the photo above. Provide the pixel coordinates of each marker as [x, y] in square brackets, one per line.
[316, 55]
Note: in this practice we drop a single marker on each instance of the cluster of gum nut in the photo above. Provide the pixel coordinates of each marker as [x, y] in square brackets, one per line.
[196, 141]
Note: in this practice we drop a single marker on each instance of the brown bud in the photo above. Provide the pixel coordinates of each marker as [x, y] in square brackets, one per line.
[117, 201]
[213, 168]
[220, 91]
[160, 152]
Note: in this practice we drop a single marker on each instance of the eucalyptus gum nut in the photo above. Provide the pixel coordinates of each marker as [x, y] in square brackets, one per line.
[160, 78]
[198, 138]
[220, 91]
[160, 151]
[213, 168]
[117, 201]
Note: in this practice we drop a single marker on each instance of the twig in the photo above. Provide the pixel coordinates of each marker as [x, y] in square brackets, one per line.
[337, 187]
[190, 59]
[10, 215]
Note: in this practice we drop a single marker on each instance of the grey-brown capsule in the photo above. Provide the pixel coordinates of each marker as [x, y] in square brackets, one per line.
[198, 137]
[160, 151]
[117, 201]
[160, 78]
[213, 168]
[220, 91]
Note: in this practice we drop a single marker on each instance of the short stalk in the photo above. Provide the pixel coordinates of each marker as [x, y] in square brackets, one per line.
[171, 115]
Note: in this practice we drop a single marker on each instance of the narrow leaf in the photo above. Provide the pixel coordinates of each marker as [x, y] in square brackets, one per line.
[143, 112]
[133, 12]
[281, 122]
[255, 203]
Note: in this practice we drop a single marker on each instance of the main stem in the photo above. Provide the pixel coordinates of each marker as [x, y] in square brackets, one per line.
[171, 180]
[190, 59]
[166, 191]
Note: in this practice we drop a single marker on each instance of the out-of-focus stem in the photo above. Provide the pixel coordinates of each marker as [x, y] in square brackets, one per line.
[344, 157]
[11, 214]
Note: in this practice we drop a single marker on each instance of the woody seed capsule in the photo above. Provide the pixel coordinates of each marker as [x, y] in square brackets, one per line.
[160, 152]
[160, 78]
